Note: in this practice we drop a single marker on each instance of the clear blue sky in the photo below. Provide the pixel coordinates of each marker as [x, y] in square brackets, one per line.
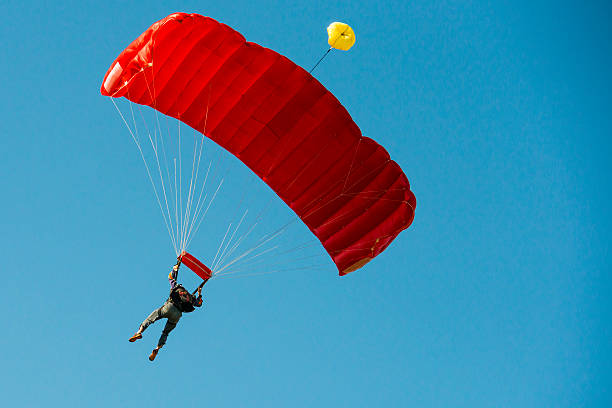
[497, 296]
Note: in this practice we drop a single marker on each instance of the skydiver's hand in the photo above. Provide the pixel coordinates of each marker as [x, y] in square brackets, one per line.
[175, 268]
[199, 291]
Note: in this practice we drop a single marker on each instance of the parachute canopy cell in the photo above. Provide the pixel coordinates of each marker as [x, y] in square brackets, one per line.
[279, 121]
[340, 36]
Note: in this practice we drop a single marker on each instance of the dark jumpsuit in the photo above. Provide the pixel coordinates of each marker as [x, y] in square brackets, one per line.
[169, 311]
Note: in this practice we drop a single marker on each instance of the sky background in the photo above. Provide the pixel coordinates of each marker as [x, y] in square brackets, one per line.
[498, 295]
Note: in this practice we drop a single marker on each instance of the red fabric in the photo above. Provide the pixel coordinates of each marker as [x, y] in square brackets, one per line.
[195, 265]
[277, 119]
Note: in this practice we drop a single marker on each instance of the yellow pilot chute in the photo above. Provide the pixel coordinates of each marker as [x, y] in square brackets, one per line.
[341, 36]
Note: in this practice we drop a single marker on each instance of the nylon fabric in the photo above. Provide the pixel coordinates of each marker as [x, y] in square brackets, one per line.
[277, 119]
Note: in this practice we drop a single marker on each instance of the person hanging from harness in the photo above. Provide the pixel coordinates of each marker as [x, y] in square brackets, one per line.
[180, 301]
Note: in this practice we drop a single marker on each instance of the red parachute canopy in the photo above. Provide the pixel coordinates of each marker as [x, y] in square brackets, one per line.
[279, 121]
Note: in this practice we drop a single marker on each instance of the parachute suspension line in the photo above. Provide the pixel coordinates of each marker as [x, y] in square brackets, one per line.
[223, 254]
[300, 247]
[248, 251]
[265, 239]
[206, 211]
[266, 208]
[135, 139]
[367, 244]
[221, 244]
[306, 244]
[180, 180]
[213, 265]
[193, 183]
[175, 197]
[168, 179]
[262, 263]
[254, 256]
[187, 206]
[152, 94]
[168, 220]
[241, 268]
[189, 194]
[377, 191]
[278, 162]
[302, 171]
[320, 59]
[351, 167]
[161, 177]
[344, 190]
[397, 200]
[237, 259]
[250, 229]
[203, 183]
[198, 208]
[314, 160]
[315, 209]
[201, 219]
[244, 275]
[192, 219]
[199, 215]
[237, 244]
[261, 214]
[189, 224]
[166, 159]
[352, 213]
[155, 147]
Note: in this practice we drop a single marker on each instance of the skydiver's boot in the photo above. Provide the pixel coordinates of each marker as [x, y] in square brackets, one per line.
[154, 353]
[135, 337]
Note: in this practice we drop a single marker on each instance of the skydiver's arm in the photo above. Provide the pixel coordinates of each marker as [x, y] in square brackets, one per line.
[172, 277]
[197, 302]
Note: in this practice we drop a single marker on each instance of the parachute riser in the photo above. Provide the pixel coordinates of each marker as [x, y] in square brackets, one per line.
[200, 287]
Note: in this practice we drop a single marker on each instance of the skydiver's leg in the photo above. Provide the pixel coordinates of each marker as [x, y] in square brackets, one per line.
[167, 329]
[173, 314]
[152, 318]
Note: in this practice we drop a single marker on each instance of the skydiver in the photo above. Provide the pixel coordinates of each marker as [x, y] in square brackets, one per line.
[179, 301]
